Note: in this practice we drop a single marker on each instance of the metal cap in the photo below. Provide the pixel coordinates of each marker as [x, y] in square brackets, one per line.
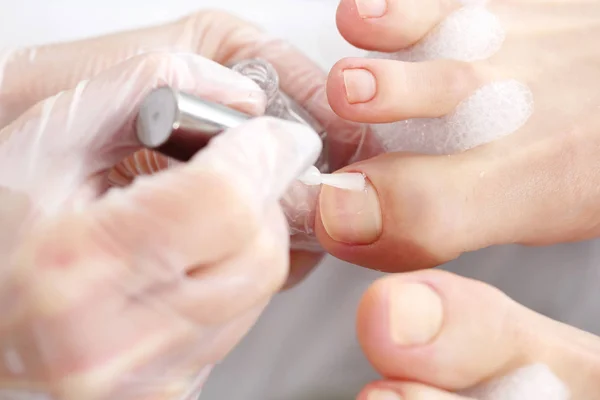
[179, 125]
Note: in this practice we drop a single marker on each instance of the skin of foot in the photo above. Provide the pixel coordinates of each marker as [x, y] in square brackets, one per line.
[536, 186]
[432, 334]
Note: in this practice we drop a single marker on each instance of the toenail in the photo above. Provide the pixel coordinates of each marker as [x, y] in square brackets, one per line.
[371, 8]
[416, 313]
[351, 216]
[382, 394]
[360, 85]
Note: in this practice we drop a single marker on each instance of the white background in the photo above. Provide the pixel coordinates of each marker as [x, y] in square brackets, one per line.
[309, 24]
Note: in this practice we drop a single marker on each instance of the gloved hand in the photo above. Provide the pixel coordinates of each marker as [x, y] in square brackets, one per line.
[132, 293]
[31, 75]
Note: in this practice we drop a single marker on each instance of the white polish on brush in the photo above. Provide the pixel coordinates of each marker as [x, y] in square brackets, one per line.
[354, 181]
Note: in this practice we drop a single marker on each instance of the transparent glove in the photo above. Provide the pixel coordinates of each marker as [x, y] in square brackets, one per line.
[33, 74]
[133, 293]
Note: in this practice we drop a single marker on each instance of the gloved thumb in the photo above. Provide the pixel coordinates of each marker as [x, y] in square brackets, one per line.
[209, 208]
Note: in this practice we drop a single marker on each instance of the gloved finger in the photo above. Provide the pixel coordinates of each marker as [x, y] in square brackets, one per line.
[33, 74]
[220, 301]
[421, 211]
[377, 91]
[455, 333]
[398, 390]
[85, 131]
[390, 25]
[250, 276]
[227, 185]
[298, 203]
[88, 57]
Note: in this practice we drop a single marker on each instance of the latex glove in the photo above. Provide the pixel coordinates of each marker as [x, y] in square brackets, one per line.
[133, 293]
[33, 74]
[537, 186]
[432, 334]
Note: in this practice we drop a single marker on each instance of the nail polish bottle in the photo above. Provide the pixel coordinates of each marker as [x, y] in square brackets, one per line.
[279, 104]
